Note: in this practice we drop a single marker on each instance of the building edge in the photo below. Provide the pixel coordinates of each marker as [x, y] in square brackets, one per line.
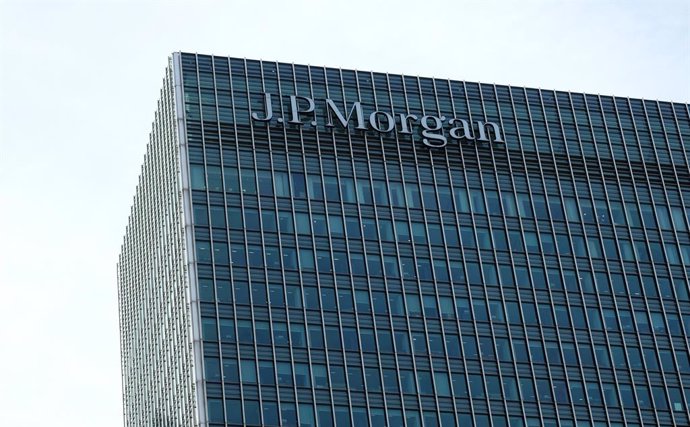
[156, 284]
[192, 286]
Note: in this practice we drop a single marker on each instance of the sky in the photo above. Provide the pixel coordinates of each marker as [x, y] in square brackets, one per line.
[79, 82]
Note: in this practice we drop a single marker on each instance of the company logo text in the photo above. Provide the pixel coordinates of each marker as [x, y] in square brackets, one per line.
[302, 110]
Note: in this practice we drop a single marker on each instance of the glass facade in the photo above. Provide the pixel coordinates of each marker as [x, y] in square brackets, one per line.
[339, 276]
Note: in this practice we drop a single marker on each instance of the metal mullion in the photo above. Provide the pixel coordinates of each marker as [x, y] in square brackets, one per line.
[155, 264]
[549, 225]
[663, 185]
[651, 262]
[246, 240]
[397, 246]
[675, 170]
[491, 236]
[661, 235]
[684, 144]
[553, 231]
[380, 249]
[414, 252]
[188, 271]
[347, 246]
[447, 260]
[548, 132]
[479, 250]
[203, 142]
[225, 204]
[366, 267]
[313, 248]
[600, 238]
[517, 292]
[232, 280]
[567, 225]
[169, 110]
[527, 259]
[317, 276]
[684, 207]
[263, 244]
[509, 244]
[639, 272]
[304, 313]
[330, 244]
[637, 263]
[179, 137]
[431, 260]
[463, 261]
[683, 390]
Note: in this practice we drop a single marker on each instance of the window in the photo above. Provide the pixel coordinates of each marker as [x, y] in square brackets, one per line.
[407, 380]
[319, 376]
[314, 189]
[364, 192]
[198, 177]
[461, 200]
[331, 184]
[266, 372]
[347, 190]
[380, 193]
[306, 415]
[248, 371]
[299, 187]
[248, 181]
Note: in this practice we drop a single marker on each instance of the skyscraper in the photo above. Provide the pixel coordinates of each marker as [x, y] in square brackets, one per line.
[320, 246]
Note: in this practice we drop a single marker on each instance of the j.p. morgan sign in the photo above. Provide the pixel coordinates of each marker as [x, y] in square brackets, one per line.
[435, 129]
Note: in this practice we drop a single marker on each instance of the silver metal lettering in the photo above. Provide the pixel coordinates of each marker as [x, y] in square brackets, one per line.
[465, 127]
[356, 108]
[430, 139]
[375, 123]
[295, 111]
[268, 109]
[433, 132]
[482, 131]
[404, 122]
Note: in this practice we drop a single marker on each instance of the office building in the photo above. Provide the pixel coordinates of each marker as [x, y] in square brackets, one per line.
[321, 246]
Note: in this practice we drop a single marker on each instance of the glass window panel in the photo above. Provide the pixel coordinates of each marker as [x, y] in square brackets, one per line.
[461, 200]
[445, 198]
[679, 220]
[233, 411]
[663, 217]
[380, 193]
[477, 201]
[364, 195]
[306, 415]
[248, 371]
[314, 188]
[524, 204]
[331, 185]
[347, 190]
[397, 194]
[508, 203]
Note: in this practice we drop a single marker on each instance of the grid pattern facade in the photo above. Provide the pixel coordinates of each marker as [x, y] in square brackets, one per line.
[348, 277]
[153, 286]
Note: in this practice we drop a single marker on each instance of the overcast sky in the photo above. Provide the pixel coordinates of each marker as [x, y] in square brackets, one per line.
[78, 89]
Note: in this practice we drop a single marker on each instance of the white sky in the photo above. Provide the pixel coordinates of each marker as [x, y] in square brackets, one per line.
[78, 88]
